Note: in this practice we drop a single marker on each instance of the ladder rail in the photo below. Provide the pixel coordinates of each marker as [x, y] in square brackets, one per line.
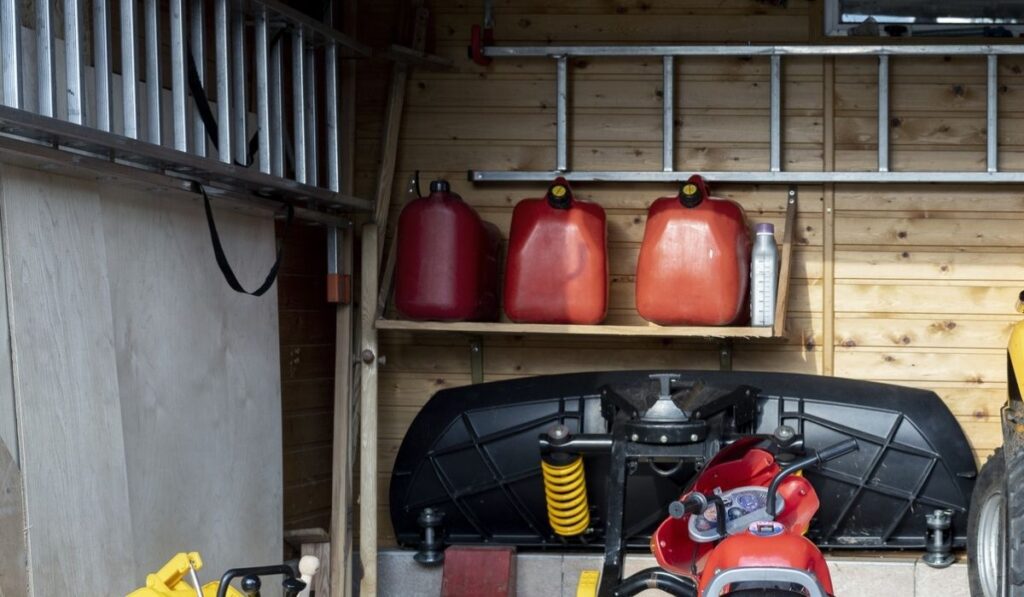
[883, 113]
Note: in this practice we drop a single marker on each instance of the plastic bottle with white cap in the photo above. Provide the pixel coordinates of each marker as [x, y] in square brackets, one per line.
[764, 272]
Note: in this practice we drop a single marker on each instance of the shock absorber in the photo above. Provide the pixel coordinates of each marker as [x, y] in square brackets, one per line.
[565, 489]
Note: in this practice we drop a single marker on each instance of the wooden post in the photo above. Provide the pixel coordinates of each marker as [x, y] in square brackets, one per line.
[340, 566]
[393, 125]
[828, 311]
[342, 456]
[368, 413]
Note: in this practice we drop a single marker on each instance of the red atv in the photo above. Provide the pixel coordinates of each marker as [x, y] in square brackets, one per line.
[740, 530]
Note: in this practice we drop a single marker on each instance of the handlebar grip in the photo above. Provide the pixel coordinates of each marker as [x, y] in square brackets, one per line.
[835, 451]
[694, 503]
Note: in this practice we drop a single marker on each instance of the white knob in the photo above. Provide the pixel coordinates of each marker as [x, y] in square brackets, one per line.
[308, 567]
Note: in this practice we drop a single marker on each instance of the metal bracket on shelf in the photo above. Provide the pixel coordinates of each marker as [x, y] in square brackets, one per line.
[476, 359]
[725, 355]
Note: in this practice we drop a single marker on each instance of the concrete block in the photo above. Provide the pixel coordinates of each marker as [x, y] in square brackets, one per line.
[865, 577]
[539, 575]
[399, 574]
[947, 582]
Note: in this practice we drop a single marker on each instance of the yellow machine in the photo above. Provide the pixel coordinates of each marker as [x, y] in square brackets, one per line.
[995, 555]
[1015, 348]
[171, 581]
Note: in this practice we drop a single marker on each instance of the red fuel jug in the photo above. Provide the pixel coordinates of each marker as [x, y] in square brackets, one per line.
[694, 261]
[557, 269]
[447, 264]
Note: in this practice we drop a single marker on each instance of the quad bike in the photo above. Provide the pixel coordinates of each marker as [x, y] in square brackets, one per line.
[742, 525]
[740, 529]
[178, 578]
[743, 520]
[995, 555]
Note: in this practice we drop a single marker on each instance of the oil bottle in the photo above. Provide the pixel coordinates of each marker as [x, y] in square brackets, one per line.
[764, 273]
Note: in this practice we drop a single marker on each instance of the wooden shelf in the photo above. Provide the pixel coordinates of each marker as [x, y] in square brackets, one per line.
[636, 331]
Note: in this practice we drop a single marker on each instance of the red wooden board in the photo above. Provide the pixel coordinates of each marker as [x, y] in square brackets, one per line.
[471, 571]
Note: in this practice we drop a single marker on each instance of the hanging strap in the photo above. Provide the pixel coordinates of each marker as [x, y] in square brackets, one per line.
[222, 260]
[209, 121]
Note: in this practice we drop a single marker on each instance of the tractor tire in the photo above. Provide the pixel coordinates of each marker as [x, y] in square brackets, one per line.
[986, 529]
[1015, 525]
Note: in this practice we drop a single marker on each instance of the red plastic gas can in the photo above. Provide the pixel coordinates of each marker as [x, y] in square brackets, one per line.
[447, 263]
[694, 261]
[557, 269]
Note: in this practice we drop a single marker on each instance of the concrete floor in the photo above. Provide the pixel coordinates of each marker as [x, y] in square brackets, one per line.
[547, 575]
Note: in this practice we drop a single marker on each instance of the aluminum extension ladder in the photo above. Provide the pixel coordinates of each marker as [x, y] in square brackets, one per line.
[775, 173]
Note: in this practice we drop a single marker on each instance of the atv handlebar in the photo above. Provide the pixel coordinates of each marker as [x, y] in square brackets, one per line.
[694, 503]
[818, 458]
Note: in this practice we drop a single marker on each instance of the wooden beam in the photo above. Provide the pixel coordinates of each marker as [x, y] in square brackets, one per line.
[786, 265]
[393, 126]
[339, 568]
[828, 222]
[368, 414]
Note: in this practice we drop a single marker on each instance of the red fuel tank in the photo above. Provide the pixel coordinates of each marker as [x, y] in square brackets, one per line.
[694, 261]
[557, 268]
[447, 263]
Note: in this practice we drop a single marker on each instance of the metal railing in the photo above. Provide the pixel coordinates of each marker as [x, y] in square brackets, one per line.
[225, 61]
[775, 54]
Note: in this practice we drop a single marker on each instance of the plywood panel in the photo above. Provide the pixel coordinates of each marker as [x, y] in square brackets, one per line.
[977, 366]
[8, 410]
[912, 263]
[197, 368]
[13, 552]
[981, 231]
[939, 332]
[972, 298]
[66, 386]
[930, 198]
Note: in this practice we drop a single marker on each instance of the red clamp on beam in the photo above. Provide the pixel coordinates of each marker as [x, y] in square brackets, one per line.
[479, 38]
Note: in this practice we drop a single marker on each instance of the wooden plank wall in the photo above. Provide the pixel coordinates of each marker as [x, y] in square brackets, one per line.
[307, 334]
[904, 284]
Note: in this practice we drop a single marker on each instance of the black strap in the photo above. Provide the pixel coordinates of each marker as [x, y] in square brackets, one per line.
[209, 120]
[222, 260]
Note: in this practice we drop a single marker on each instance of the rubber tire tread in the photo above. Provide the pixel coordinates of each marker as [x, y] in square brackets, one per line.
[1015, 522]
[991, 479]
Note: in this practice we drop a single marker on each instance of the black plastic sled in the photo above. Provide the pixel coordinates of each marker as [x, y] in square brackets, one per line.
[473, 453]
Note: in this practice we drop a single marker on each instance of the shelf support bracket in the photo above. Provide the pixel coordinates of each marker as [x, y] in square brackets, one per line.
[476, 359]
[725, 355]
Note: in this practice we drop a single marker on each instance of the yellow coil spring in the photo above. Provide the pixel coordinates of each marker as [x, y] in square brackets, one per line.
[566, 492]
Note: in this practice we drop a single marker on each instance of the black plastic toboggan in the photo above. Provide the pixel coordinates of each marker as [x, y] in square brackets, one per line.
[472, 452]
